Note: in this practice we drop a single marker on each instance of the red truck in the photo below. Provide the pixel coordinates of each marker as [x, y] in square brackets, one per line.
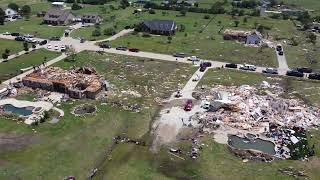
[188, 106]
[134, 50]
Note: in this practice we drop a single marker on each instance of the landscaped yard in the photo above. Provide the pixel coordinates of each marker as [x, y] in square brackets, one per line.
[201, 37]
[32, 26]
[13, 46]
[12, 67]
[76, 145]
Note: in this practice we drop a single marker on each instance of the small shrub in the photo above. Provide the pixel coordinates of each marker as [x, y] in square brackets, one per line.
[206, 16]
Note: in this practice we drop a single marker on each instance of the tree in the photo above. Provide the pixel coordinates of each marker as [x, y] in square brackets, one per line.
[236, 23]
[7, 51]
[245, 20]
[219, 23]
[109, 31]
[71, 52]
[25, 11]
[2, 18]
[312, 37]
[5, 56]
[75, 6]
[124, 4]
[183, 12]
[25, 46]
[13, 6]
[169, 39]
[96, 32]
[206, 16]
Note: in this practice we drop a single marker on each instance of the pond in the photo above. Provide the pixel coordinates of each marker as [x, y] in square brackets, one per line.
[24, 111]
[256, 144]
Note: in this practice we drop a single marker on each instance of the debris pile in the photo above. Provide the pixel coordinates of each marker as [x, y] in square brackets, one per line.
[78, 83]
[243, 108]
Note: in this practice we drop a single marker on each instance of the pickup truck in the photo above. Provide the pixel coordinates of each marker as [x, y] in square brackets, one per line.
[248, 67]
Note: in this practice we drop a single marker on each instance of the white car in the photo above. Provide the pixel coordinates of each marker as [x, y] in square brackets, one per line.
[193, 58]
[49, 46]
[7, 33]
[56, 47]
[248, 67]
[63, 48]
[205, 104]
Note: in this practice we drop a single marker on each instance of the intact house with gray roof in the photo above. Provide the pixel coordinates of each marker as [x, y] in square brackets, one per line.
[58, 17]
[159, 27]
[91, 18]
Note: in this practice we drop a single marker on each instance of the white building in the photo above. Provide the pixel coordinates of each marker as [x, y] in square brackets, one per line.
[59, 5]
[10, 13]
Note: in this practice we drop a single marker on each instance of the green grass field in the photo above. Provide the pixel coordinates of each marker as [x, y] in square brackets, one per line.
[32, 26]
[201, 37]
[13, 46]
[77, 144]
[12, 67]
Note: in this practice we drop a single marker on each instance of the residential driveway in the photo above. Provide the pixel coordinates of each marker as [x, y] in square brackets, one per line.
[282, 61]
[119, 34]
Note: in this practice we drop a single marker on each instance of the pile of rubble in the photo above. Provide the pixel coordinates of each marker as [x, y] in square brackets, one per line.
[244, 108]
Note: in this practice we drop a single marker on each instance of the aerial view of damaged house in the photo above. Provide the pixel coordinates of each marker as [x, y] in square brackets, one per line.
[77, 83]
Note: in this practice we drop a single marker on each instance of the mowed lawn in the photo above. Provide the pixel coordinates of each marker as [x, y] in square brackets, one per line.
[76, 145]
[32, 26]
[13, 46]
[12, 67]
[202, 37]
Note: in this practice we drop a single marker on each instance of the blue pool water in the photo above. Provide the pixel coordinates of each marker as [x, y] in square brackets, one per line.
[25, 111]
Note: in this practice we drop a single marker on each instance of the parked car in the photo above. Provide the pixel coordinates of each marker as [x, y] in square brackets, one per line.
[193, 58]
[43, 42]
[231, 65]
[188, 105]
[121, 48]
[179, 55]
[6, 33]
[49, 46]
[63, 48]
[133, 50]
[19, 38]
[28, 36]
[315, 76]
[56, 47]
[270, 71]
[204, 65]
[280, 53]
[279, 48]
[15, 34]
[104, 45]
[54, 38]
[304, 70]
[82, 40]
[248, 67]
[294, 73]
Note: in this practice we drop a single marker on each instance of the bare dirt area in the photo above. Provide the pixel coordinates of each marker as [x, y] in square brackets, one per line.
[11, 142]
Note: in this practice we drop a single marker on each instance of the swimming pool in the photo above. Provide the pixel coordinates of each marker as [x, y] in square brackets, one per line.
[24, 111]
[256, 144]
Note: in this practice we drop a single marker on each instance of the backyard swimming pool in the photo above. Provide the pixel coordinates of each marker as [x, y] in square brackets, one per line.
[24, 111]
[256, 144]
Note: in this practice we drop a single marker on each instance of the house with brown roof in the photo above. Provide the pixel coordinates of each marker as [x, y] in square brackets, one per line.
[91, 18]
[58, 17]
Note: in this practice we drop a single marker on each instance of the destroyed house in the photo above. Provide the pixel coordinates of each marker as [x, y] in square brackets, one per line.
[77, 83]
[229, 34]
[160, 27]
[58, 17]
[91, 18]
